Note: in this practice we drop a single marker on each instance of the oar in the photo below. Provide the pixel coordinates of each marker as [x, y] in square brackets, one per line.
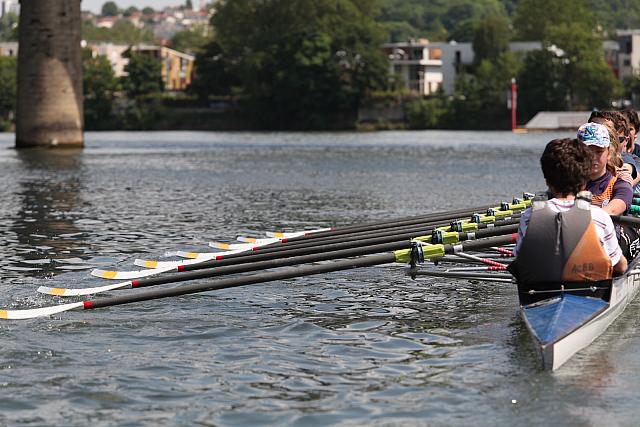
[503, 211]
[419, 229]
[626, 220]
[495, 277]
[283, 253]
[273, 263]
[519, 205]
[402, 256]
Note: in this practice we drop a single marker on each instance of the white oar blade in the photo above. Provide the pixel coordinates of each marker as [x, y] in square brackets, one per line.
[128, 275]
[233, 246]
[66, 292]
[290, 235]
[257, 242]
[208, 255]
[38, 312]
[171, 264]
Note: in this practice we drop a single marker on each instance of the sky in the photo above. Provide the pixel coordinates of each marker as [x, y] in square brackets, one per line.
[96, 5]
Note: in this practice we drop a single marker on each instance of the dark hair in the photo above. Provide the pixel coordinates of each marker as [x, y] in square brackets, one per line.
[566, 165]
[597, 114]
[620, 122]
[632, 116]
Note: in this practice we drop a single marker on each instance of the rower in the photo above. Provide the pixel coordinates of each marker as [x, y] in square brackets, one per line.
[565, 239]
[612, 194]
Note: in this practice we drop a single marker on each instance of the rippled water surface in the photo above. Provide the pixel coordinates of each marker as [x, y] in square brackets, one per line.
[359, 347]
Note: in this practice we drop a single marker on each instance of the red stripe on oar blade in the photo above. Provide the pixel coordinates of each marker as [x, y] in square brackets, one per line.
[87, 305]
[284, 240]
[135, 283]
[181, 267]
[514, 237]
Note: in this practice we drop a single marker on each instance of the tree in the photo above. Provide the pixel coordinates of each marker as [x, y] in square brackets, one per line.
[144, 75]
[188, 5]
[8, 85]
[148, 11]
[9, 27]
[130, 11]
[542, 84]
[479, 99]
[99, 87]
[533, 17]
[588, 78]
[122, 32]
[213, 75]
[300, 63]
[193, 39]
[491, 38]
[110, 8]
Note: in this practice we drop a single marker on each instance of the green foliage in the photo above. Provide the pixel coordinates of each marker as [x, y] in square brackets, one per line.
[533, 18]
[491, 38]
[615, 14]
[192, 40]
[213, 75]
[130, 11]
[99, 88]
[9, 27]
[429, 113]
[148, 11]
[301, 62]
[8, 86]
[188, 4]
[110, 8]
[479, 101]
[588, 78]
[542, 84]
[121, 32]
[144, 76]
[435, 19]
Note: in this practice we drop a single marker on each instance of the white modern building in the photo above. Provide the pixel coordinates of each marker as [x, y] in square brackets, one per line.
[426, 67]
[7, 6]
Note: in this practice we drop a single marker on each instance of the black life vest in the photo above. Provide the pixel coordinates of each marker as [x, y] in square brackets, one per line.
[560, 249]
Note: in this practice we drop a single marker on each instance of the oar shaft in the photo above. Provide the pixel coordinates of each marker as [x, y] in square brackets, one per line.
[416, 230]
[260, 256]
[301, 259]
[291, 273]
[437, 216]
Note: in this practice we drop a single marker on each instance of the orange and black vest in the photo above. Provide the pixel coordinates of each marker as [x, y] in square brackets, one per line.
[559, 248]
[602, 200]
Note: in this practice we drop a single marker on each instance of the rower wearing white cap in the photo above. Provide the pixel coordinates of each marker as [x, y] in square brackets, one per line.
[610, 193]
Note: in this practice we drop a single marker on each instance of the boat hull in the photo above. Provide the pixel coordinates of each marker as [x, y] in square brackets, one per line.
[585, 319]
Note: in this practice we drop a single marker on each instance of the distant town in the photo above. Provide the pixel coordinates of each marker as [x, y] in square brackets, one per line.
[420, 83]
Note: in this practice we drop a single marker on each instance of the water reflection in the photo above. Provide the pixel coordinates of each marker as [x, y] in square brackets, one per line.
[49, 196]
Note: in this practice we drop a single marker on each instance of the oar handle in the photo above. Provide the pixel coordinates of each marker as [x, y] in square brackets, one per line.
[626, 220]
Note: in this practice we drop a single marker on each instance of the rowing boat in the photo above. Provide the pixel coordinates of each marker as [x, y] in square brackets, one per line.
[565, 323]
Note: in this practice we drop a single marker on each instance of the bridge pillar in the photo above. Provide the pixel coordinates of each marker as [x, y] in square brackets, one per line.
[49, 100]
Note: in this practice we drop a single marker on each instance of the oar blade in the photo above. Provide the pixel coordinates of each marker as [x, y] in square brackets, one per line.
[128, 275]
[170, 264]
[38, 312]
[292, 234]
[67, 292]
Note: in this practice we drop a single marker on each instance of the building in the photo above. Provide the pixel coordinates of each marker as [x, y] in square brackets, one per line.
[628, 55]
[426, 68]
[9, 6]
[177, 67]
[8, 48]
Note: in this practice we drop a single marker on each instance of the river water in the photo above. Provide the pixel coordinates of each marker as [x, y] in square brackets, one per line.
[361, 347]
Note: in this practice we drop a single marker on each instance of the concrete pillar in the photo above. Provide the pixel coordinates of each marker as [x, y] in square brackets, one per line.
[49, 111]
